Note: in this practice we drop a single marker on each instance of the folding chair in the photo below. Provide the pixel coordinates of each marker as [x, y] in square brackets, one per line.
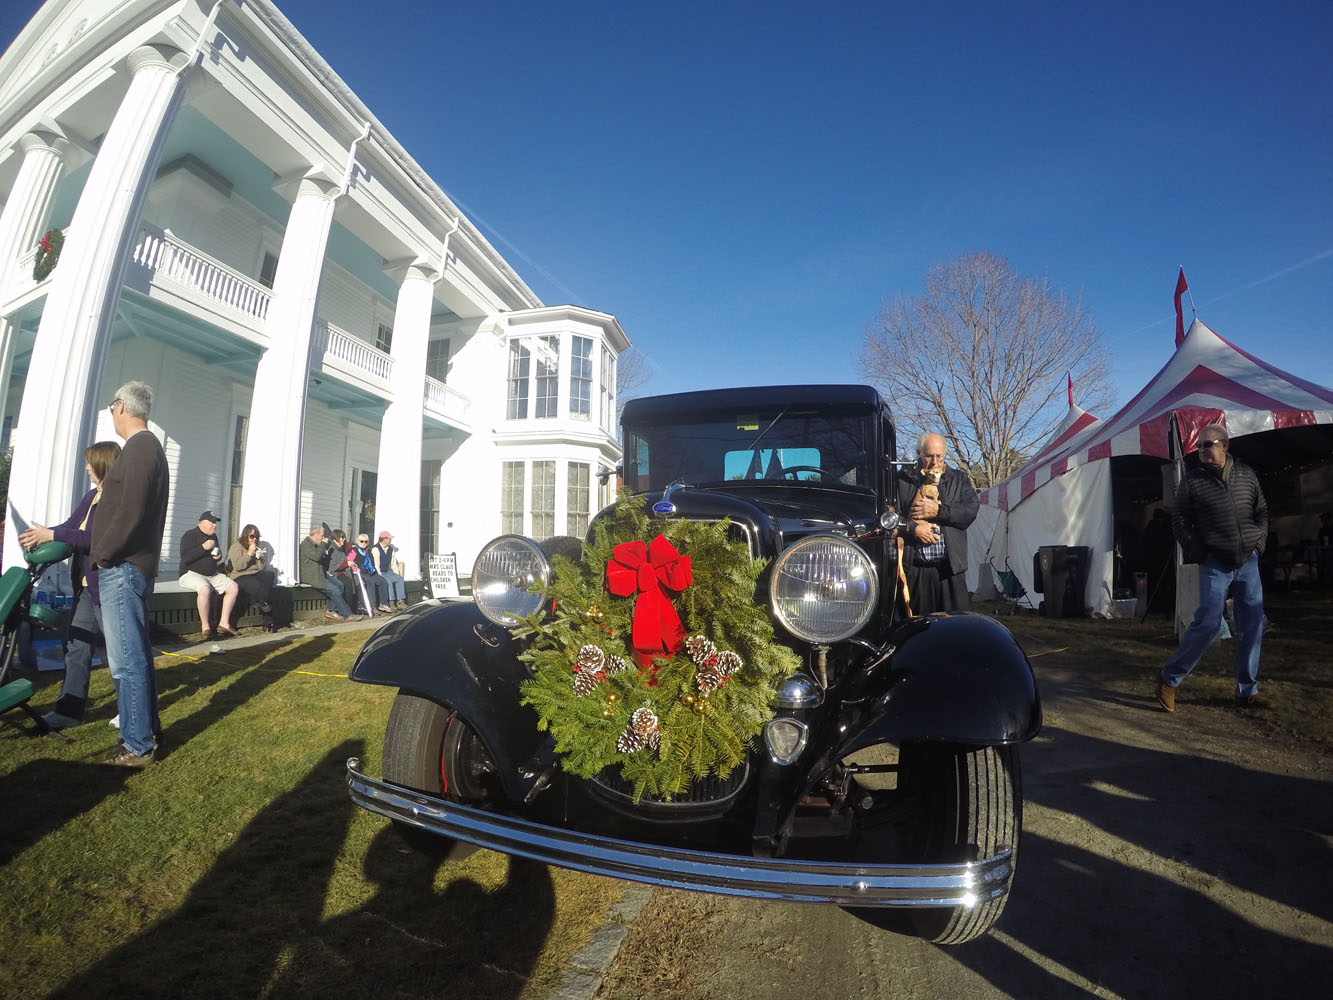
[1010, 589]
[16, 609]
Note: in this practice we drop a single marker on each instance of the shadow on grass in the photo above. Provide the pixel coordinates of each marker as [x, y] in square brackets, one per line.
[262, 897]
[412, 939]
[272, 668]
[44, 795]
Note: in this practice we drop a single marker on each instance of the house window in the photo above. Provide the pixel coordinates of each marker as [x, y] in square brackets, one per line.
[384, 336]
[548, 376]
[268, 269]
[519, 363]
[580, 378]
[576, 522]
[511, 498]
[437, 359]
[430, 506]
[607, 384]
[543, 499]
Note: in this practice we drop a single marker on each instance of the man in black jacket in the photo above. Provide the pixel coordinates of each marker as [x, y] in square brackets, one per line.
[935, 532]
[126, 544]
[1220, 519]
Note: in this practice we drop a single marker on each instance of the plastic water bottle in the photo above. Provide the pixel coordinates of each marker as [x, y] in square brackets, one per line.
[41, 597]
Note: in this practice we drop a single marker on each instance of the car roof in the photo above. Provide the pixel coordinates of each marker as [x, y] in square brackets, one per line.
[760, 396]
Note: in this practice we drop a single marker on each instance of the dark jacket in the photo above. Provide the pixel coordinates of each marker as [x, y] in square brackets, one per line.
[197, 559]
[1220, 513]
[75, 532]
[958, 509]
[312, 558]
[133, 510]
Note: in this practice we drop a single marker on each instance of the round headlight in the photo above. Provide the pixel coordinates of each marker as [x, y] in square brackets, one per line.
[510, 579]
[823, 588]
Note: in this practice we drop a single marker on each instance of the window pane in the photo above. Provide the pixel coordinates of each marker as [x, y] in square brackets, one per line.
[519, 360]
[548, 376]
[430, 507]
[437, 359]
[543, 499]
[384, 336]
[580, 378]
[511, 498]
[577, 517]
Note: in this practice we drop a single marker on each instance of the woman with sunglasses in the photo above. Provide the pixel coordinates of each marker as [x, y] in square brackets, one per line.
[251, 575]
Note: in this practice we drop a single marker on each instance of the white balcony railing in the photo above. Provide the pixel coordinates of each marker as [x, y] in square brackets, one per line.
[328, 342]
[166, 257]
[447, 402]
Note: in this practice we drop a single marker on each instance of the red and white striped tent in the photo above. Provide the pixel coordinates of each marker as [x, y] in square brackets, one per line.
[1063, 495]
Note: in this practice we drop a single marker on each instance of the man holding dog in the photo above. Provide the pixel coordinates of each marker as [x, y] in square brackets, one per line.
[935, 529]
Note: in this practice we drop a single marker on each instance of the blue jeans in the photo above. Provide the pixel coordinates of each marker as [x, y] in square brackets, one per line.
[129, 653]
[85, 626]
[1247, 594]
[333, 590]
[397, 589]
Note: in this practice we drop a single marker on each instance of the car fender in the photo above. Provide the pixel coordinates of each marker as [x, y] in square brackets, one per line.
[453, 655]
[951, 679]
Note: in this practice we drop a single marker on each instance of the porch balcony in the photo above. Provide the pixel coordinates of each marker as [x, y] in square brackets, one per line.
[446, 405]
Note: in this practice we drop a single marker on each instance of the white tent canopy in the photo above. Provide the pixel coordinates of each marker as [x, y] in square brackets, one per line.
[1063, 495]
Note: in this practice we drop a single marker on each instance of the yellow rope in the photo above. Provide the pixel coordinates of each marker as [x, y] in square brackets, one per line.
[213, 658]
[1033, 656]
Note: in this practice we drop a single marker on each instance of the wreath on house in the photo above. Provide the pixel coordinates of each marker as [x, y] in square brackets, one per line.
[655, 655]
[48, 254]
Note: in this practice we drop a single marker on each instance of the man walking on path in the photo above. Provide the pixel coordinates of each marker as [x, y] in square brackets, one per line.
[1220, 519]
[126, 543]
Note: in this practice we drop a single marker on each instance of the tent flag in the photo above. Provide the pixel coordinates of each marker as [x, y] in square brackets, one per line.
[1181, 286]
[1070, 377]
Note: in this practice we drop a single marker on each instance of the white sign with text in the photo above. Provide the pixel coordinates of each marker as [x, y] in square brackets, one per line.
[443, 575]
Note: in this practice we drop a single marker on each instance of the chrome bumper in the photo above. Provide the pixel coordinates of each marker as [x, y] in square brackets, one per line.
[843, 883]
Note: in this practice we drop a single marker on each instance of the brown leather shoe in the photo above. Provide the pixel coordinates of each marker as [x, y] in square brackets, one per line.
[1255, 700]
[1166, 696]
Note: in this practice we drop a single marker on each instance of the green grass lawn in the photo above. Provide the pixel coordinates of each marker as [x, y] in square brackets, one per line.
[237, 867]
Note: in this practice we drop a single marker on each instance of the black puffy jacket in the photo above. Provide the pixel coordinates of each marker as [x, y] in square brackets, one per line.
[1220, 513]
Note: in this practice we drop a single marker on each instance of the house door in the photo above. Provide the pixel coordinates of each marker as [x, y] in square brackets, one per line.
[365, 517]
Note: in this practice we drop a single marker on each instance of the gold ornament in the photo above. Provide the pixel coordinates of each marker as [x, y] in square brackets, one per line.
[608, 712]
[610, 697]
[687, 698]
[699, 706]
[595, 614]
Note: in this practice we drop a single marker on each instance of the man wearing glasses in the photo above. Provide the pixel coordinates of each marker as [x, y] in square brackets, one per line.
[126, 543]
[1220, 519]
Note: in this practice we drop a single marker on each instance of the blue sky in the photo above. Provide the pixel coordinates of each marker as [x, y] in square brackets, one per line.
[743, 184]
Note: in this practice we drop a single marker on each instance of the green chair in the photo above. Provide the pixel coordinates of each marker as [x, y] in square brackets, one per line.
[16, 608]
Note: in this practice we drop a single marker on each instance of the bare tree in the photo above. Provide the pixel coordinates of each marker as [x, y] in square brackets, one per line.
[633, 370]
[980, 357]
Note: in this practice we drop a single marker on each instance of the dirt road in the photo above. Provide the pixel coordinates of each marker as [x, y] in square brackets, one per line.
[1162, 856]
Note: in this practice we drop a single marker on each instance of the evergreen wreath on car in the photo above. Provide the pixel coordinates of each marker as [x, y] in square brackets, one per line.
[655, 654]
[48, 254]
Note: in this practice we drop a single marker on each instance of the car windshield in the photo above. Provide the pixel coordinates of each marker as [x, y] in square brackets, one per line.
[825, 445]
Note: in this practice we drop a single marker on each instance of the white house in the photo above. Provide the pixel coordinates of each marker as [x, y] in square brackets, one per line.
[329, 338]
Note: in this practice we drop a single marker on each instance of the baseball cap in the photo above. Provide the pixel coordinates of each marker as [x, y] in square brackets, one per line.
[386, 534]
[208, 515]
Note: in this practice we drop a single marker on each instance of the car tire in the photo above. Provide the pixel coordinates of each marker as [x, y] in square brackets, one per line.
[432, 750]
[973, 801]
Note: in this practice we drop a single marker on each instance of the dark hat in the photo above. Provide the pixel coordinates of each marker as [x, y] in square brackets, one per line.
[208, 515]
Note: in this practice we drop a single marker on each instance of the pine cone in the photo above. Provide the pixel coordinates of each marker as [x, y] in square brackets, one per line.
[643, 721]
[708, 678]
[728, 662]
[699, 648]
[614, 665]
[591, 657]
[629, 741]
[586, 679]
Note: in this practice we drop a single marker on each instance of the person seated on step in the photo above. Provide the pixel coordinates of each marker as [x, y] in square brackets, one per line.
[201, 570]
[376, 584]
[248, 569]
[390, 567]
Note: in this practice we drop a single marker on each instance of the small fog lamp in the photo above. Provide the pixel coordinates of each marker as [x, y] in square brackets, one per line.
[785, 739]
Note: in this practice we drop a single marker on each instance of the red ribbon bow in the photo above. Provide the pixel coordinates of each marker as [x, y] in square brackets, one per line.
[657, 629]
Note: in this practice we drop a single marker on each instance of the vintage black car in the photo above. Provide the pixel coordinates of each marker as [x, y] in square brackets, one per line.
[881, 769]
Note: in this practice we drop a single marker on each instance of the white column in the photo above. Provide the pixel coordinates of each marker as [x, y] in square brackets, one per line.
[22, 223]
[270, 494]
[58, 416]
[398, 499]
